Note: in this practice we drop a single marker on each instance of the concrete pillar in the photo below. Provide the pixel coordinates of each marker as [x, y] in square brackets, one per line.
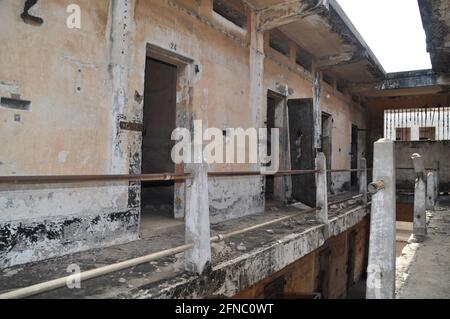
[256, 62]
[431, 191]
[419, 228]
[363, 179]
[419, 166]
[382, 250]
[317, 110]
[120, 36]
[257, 93]
[197, 224]
[321, 188]
[197, 219]
[436, 167]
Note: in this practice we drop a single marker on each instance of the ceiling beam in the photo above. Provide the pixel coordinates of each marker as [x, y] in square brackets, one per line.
[402, 80]
[287, 12]
[332, 61]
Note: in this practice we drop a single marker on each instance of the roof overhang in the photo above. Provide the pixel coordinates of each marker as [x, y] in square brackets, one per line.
[323, 30]
[404, 83]
[436, 22]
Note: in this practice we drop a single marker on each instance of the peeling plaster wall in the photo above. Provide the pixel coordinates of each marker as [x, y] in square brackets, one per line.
[65, 73]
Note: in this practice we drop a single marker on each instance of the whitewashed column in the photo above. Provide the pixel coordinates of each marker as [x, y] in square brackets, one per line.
[321, 188]
[382, 245]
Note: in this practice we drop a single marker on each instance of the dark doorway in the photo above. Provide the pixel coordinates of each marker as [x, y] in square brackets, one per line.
[270, 180]
[354, 156]
[301, 132]
[159, 122]
[327, 128]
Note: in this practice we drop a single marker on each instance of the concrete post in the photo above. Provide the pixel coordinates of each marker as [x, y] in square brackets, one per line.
[436, 167]
[419, 227]
[363, 179]
[197, 220]
[382, 250]
[431, 191]
[317, 110]
[419, 166]
[321, 188]
[197, 223]
[120, 36]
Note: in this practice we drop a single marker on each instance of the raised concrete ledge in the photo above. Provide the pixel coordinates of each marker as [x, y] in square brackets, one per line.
[341, 223]
[231, 276]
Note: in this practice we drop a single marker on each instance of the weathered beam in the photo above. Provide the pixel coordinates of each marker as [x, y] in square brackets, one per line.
[402, 80]
[332, 61]
[289, 11]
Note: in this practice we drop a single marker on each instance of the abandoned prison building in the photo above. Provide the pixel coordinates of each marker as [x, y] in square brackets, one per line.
[87, 115]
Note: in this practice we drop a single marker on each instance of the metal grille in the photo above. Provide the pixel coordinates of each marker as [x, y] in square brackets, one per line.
[417, 124]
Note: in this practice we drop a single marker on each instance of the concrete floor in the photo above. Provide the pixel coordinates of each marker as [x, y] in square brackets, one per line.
[404, 232]
[151, 223]
[158, 233]
[425, 267]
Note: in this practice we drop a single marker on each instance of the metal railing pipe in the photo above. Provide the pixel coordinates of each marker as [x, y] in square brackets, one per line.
[61, 179]
[258, 173]
[375, 187]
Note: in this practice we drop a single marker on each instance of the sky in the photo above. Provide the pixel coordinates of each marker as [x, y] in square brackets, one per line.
[393, 30]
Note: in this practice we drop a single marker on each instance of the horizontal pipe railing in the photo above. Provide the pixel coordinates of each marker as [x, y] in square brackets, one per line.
[345, 170]
[60, 179]
[92, 178]
[258, 173]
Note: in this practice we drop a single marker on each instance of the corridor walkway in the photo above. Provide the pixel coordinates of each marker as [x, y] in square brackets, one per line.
[423, 270]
